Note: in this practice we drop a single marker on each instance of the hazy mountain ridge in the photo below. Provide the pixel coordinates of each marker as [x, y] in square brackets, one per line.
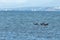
[32, 9]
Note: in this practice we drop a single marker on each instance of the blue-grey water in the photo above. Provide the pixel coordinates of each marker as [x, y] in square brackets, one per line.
[15, 25]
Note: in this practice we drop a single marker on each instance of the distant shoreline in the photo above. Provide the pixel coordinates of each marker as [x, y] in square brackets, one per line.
[29, 11]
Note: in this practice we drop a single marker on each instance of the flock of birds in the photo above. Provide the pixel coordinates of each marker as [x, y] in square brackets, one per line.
[43, 24]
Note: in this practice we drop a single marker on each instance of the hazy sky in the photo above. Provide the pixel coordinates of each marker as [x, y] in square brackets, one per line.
[28, 3]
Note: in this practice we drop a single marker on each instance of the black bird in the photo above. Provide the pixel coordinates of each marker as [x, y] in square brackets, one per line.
[35, 23]
[44, 24]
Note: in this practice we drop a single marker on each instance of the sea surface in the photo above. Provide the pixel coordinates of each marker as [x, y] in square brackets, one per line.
[26, 25]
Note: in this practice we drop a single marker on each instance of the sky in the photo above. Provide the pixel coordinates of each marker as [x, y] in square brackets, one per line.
[28, 3]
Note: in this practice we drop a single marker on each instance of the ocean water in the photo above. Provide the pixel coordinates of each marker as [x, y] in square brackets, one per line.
[19, 25]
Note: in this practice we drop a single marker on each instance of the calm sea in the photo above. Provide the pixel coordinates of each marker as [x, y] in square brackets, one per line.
[26, 25]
